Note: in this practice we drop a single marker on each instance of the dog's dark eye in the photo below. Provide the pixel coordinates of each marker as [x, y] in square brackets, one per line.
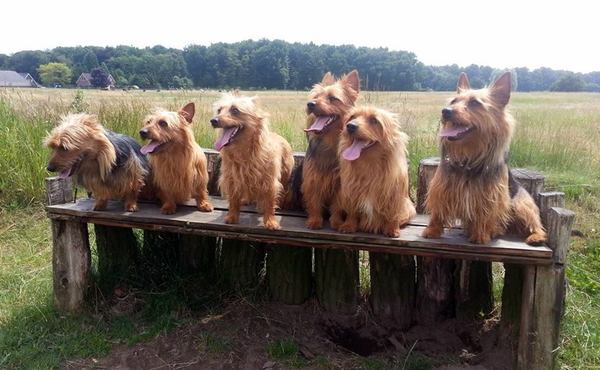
[351, 118]
[62, 148]
[234, 110]
[473, 103]
[453, 101]
[219, 110]
[162, 123]
[373, 120]
[333, 99]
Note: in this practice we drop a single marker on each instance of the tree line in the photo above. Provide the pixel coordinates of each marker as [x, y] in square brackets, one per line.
[272, 64]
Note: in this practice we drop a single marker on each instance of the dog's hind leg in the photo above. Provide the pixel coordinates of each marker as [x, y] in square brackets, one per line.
[527, 217]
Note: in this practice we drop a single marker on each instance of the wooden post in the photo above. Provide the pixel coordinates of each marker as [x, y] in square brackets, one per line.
[549, 294]
[198, 256]
[392, 288]
[241, 264]
[474, 295]
[512, 290]
[117, 255]
[337, 279]
[289, 272]
[71, 257]
[435, 276]
[159, 255]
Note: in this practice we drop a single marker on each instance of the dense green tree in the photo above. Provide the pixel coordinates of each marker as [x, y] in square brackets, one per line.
[53, 74]
[100, 77]
[568, 82]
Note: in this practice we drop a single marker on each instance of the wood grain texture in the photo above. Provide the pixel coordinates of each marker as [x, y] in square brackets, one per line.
[58, 190]
[337, 280]
[289, 272]
[188, 221]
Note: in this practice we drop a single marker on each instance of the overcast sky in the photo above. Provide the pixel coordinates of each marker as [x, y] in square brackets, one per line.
[503, 34]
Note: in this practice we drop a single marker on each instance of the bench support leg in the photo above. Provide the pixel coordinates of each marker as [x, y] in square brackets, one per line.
[337, 279]
[70, 264]
[289, 271]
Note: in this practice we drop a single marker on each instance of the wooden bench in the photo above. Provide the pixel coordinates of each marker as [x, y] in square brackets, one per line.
[449, 277]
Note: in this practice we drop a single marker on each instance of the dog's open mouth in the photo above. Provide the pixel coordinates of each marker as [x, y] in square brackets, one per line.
[68, 172]
[354, 151]
[455, 132]
[151, 147]
[227, 136]
[320, 124]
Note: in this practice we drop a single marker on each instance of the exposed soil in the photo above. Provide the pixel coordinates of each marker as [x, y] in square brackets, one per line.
[245, 336]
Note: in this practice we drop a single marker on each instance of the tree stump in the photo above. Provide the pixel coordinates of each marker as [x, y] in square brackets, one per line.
[337, 279]
[289, 272]
[241, 264]
[512, 290]
[435, 276]
[393, 286]
[474, 295]
[71, 258]
[197, 255]
[117, 250]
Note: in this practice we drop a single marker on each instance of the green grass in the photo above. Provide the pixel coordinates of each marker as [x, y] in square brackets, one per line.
[557, 133]
[286, 351]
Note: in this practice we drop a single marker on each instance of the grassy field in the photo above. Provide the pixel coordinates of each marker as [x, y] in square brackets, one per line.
[557, 133]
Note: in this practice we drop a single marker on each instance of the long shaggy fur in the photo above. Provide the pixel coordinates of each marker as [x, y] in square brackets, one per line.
[178, 163]
[374, 186]
[256, 163]
[473, 182]
[320, 173]
[106, 164]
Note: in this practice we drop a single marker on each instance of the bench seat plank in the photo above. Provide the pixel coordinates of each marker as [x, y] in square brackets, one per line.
[293, 232]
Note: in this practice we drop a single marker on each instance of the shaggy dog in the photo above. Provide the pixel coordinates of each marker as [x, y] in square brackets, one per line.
[473, 183]
[178, 163]
[256, 163]
[374, 173]
[106, 164]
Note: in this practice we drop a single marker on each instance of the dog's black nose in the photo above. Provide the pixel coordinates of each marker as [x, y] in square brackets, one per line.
[214, 122]
[311, 105]
[447, 113]
[144, 133]
[351, 127]
[51, 167]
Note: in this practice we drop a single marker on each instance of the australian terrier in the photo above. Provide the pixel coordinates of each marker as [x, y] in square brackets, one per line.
[256, 163]
[473, 183]
[106, 164]
[327, 109]
[179, 169]
[374, 173]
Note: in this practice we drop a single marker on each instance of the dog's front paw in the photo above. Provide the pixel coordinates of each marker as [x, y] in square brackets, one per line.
[232, 219]
[537, 238]
[347, 228]
[314, 223]
[100, 205]
[168, 209]
[480, 238]
[131, 207]
[205, 207]
[393, 232]
[272, 224]
[432, 232]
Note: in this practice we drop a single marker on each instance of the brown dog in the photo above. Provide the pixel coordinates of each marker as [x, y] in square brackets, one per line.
[473, 182]
[374, 173]
[107, 164]
[256, 163]
[178, 163]
[327, 109]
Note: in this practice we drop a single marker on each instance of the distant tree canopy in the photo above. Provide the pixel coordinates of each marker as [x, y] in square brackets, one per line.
[275, 64]
[52, 74]
[568, 82]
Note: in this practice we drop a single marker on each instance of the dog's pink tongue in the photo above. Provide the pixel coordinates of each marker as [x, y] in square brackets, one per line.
[318, 125]
[353, 152]
[65, 173]
[150, 147]
[451, 131]
[224, 138]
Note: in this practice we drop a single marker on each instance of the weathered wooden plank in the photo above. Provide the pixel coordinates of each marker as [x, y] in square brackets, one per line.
[393, 289]
[549, 292]
[409, 242]
[527, 300]
[70, 264]
[58, 190]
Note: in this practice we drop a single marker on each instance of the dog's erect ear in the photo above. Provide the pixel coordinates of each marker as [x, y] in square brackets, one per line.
[463, 83]
[328, 79]
[352, 80]
[500, 90]
[188, 111]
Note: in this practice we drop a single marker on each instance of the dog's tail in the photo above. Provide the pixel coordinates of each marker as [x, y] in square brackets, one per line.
[292, 199]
